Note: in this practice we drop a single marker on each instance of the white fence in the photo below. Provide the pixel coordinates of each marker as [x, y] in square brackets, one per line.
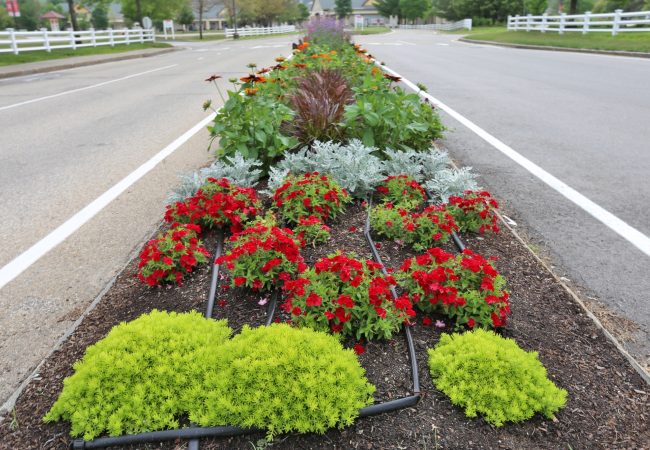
[614, 23]
[247, 31]
[465, 23]
[25, 41]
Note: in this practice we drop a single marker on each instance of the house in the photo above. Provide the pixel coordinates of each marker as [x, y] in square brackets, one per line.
[363, 8]
[115, 16]
[214, 18]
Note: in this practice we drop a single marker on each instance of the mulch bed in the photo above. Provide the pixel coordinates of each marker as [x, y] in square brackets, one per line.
[608, 405]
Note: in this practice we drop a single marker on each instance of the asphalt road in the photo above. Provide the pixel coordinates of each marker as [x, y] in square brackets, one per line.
[60, 153]
[584, 119]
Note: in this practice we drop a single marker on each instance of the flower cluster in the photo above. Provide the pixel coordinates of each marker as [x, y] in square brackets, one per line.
[474, 211]
[311, 230]
[420, 230]
[217, 204]
[403, 191]
[262, 256]
[172, 255]
[310, 194]
[346, 295]
[465, 287]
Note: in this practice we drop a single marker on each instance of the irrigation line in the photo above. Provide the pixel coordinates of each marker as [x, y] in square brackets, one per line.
[215, 275]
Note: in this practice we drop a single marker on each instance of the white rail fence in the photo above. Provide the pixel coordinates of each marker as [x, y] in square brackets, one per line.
[614, 23]
[25, 41]
[248, 31]
[465, 23]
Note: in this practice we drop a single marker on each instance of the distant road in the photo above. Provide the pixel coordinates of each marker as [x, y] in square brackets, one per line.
[584, 119]
[69, 136]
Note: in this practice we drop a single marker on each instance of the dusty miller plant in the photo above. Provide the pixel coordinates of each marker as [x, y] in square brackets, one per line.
[419, 165]
[448, 182]
[237, 169]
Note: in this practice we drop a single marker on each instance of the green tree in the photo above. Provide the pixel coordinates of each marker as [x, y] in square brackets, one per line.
[185, 15]
[155, 9]
[6, 20]
[494, 10]
[100, 17]
[388, 8]
[535, 7]
[30, 15]
[343, 8]
[413, 9]
[303, 12]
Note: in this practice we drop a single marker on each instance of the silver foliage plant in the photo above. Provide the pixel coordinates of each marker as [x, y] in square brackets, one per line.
[237, 169]
[448, 182]
[419, 165]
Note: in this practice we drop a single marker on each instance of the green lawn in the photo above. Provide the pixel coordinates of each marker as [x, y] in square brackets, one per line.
[477, 30]
[372, 30]
[633, 42]
[212, 36]
[7, 59]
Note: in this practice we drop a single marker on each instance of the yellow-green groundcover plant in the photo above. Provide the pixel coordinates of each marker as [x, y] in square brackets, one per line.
[491, 375]
[148, 374]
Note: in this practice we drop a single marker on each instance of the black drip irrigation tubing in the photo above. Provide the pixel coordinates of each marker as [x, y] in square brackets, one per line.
[194, 434]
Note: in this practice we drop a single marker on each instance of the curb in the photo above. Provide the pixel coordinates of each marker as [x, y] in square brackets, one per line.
[558, 49]
[63, 66]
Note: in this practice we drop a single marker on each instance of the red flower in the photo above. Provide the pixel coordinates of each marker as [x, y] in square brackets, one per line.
[381, 312]
[296, 311]
[239, 281]
[314, 300]
[471, 322]
[426, 321]
[359, 349]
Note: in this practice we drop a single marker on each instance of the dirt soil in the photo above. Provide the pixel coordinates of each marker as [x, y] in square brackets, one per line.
[608, 405]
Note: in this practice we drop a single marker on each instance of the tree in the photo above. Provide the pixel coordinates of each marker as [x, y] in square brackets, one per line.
[155, 9]
[185, 15]
[343, 8]
[5, 19]
[388, 8]
[495, 10]
[30, 15]
[266, 12]
[535, 7]
[100, 17]
[303, 12]
[413, 9]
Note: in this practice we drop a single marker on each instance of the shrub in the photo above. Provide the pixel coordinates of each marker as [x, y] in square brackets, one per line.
[217, 204]
[402, 191]
[421, 230]
[474, 211]
[422, 165]
[390, 118]
[346, 295]
[318, 102]
[311, 230]
[487, 374]
[327, 32]
[172, 255]
[310, 194]
[280, 379]
[262, 255]
[131, 381]
[465, 287]
[449, 182]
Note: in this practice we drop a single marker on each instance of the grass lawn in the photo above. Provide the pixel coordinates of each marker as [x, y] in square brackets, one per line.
[633, 42]
[372, 30]
[7, 59]
[194, 36]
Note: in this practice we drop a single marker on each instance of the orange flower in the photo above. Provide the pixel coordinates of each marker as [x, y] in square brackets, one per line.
[315, 56]
[279, 67]
[252, 78]
[300, 66]
[213, 77]
[375, 70]
[264, 70]
[333, 52]
[280, 59]
[392, 77]
[303, 46]
[250, 91]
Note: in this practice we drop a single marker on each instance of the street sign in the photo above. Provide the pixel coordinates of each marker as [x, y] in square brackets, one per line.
[147, 23]
[358, 21]
[168, 24]
[12, 8]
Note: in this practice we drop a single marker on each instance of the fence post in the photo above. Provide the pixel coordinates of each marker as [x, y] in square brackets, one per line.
[529, 20]
[93, 38]
[562, 22]
[585, 22]
[12, 38]
[111, 41]
[73, 43]
[141, 36]
[46, 40]
[617, 21]
[517, 22]
[544, 22]
[127, 34]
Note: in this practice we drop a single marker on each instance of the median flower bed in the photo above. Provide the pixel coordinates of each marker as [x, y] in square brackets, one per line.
[358, 153]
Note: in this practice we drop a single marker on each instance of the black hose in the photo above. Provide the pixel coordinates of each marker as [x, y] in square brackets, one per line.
[391, 405]
[270, 309]
[158, 436]
[459, 243]
[215, 276]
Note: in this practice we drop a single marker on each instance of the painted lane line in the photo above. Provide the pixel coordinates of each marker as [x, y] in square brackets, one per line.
[19, 264]
[627, 232]
[85, 88]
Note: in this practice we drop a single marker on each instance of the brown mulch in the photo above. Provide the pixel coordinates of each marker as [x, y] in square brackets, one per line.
[608, 405]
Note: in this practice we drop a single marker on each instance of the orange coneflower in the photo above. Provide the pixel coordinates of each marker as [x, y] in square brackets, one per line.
[250, 91]
[392, 77]
[264, 70]
[375, 70]
[280, 59]
[252, 78]
[213, 77]
[303, 46]
[300, 66]
[279, 67]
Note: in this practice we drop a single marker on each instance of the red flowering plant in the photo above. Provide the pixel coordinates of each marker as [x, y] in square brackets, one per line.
[403, 191]
[348, 296]
[474, 211]
[217, 204]
[172, 255]
[420, 230]
[310, 194]
[311, 230]
[262, 256]
[465, 287]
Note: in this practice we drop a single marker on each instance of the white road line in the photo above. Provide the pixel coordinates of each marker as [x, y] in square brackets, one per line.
[19, 264]
[627, 232]
[440, 43]
[72, 91]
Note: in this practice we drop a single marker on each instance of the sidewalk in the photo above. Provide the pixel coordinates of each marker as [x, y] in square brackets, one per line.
[18, 70]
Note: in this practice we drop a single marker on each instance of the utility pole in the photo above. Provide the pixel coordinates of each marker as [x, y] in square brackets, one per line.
[234, 20]
[73, 15]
